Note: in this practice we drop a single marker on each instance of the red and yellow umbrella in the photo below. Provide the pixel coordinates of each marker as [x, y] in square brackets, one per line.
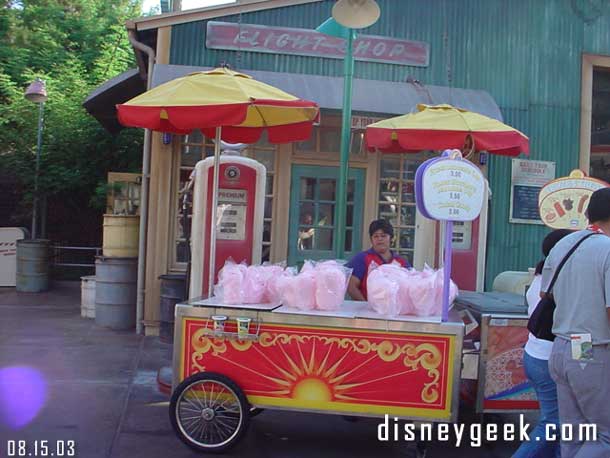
[241, 105]
[440, 127]
[225, 105]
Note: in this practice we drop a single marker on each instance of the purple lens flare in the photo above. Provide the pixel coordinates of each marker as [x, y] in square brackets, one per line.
[23, 393]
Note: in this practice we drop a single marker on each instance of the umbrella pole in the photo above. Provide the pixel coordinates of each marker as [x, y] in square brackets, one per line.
[447, 269]
[213, 218]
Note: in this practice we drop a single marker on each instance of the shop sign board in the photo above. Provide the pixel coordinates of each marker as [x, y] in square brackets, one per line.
[307, 42]
[527, 179]
[562, 202]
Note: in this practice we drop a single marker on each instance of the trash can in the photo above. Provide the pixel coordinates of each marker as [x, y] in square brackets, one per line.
[32, 266]
[172, 291]
[116, 292]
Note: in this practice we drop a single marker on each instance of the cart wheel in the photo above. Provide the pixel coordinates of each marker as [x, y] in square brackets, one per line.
[209, 412]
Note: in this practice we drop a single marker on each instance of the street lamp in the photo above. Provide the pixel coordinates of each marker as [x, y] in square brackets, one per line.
[347, 15]
[37, 93]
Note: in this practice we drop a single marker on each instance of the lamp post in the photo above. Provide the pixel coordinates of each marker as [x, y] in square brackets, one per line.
[347, 15]
[37, 93]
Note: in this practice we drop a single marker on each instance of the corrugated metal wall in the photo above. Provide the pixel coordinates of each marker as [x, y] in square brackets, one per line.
[525, 53]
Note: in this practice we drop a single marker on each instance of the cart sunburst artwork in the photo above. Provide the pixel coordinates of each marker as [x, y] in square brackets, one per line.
[328, 369]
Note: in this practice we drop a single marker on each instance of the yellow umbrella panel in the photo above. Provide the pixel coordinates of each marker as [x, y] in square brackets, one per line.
[241, 105]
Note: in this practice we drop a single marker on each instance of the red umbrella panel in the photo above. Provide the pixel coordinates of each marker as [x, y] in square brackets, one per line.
[443, 127]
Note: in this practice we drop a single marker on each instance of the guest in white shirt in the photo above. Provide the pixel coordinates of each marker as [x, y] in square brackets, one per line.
[536, 364]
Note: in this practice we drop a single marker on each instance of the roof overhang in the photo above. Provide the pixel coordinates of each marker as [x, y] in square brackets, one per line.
[371, 96]
[100, 103]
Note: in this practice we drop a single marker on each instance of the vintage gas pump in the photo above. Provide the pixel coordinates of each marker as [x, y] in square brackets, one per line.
[239, 220]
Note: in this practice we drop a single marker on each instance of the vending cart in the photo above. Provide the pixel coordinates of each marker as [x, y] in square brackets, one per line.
[230, 361]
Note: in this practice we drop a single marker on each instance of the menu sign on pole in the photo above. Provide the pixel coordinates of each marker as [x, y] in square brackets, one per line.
[453, 190]
[527, 179]
[448, 189]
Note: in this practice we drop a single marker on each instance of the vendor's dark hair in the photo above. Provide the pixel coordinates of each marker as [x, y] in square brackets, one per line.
[599, 206]
[548, 243]
[381, 224]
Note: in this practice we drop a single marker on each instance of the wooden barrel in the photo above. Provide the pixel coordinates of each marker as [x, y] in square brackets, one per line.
[116, 292]
[121, 236]
[32, 266]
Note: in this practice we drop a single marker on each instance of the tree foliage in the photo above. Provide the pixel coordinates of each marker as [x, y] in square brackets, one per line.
[74, 45]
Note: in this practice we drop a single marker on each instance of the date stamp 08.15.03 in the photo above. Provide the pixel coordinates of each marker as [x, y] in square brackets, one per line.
[38, 448]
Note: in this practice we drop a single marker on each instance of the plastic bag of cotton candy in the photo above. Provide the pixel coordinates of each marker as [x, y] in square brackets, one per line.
[425, 290]
[242, 284]
[383, 286]
[393, 290]
[298, 290]
[276, 273]
[230, 286]
[318, 286]
[331, 279]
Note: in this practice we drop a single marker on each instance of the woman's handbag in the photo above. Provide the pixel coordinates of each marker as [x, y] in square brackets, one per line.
[540, 324]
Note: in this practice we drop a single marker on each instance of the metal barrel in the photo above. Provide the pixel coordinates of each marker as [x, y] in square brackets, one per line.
[172, 292]
[121, 235]
[32, 266]
[116, 292]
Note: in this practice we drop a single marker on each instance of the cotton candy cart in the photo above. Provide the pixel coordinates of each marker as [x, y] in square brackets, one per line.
[348, 362]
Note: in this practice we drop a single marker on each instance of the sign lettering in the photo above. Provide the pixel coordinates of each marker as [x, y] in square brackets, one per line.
[306, 42]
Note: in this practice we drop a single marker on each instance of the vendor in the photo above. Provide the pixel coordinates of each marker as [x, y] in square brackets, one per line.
[381, 233]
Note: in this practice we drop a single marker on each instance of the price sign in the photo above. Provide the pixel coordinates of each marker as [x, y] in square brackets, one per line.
[452, 189]
[562, 202]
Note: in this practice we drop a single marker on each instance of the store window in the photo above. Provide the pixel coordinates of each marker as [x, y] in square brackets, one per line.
[397, 198]
[600, 125]
[123, 195]
[193, 148]
[325, 142]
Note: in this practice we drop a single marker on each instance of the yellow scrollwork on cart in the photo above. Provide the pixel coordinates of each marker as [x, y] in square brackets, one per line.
[202, 344]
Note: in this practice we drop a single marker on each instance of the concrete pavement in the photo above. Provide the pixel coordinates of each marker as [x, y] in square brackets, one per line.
[101, 392]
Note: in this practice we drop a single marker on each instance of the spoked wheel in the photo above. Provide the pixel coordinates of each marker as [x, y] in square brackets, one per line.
[209, 412]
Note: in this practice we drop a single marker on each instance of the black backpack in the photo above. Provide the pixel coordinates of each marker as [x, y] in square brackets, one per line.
[540, 324]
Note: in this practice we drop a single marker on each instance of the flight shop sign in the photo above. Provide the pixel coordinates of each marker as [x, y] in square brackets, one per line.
[306, 42]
